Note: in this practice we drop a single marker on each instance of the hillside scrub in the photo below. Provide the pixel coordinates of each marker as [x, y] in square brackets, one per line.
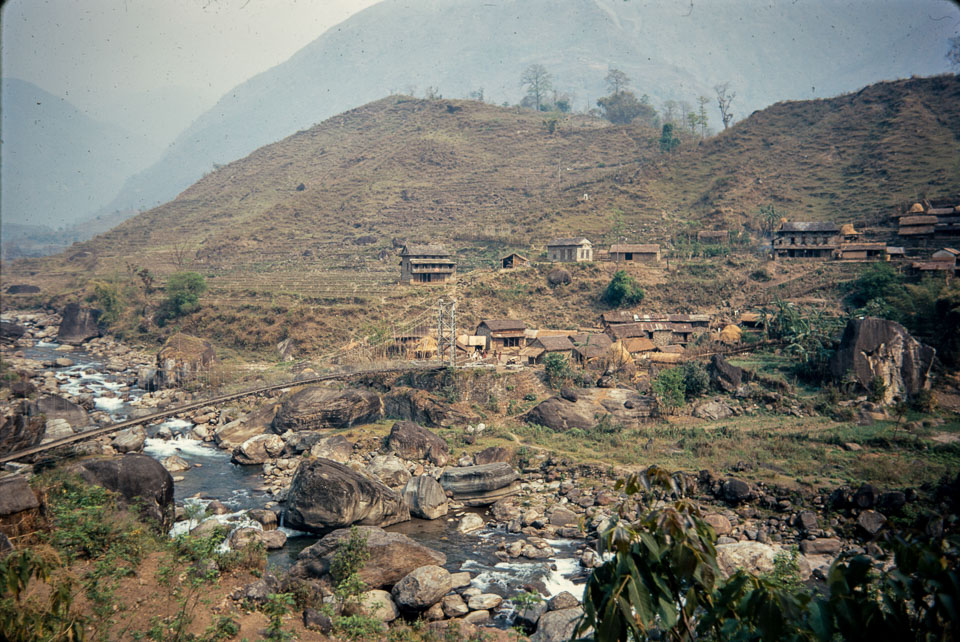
[622, 290]
[183, 296]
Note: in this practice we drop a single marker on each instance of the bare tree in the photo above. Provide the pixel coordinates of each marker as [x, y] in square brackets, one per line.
[180, 251]
[953, 53]
[617, 81]
[702, 118]
[724, 98]
[538, 82]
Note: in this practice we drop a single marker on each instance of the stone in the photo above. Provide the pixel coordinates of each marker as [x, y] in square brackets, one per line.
[216, 507]
[181, 359]
[891, 501]
[725, 376]
[314, 620]
[870, 522]
[736, 491]
[477, 617]
[379, 605]
[208, 527]
[621, 406]
[454, 606]
[20, 431]
[243, 537]
[412, 404]
[325, 495]
[527, 617]
[414, 442]
[335, 447]
[457, 629]
[318, 407]
[392, 556]
[390, 470]
[56, 429]
[79, 324]
[563, 517]
[821, 546]
[477, 485]
[56, 407]
[433, 613]
[558, 276]
[558, 626]
[492, 455]
[562, 600]
[873, 348]
[265, 517]
[260, 590]
[560, 414]
[175, 464]
[10, 332]
[257, 450]
[19, 506]
[469, 523]
[421, 588]
[460, 580]
[807, 521]
[865, 497]
[754, 557]
[63, 362]
[6, 546]
[273, 539]
[721, 525]
[139, 479]
[129, 440]
[231, 435]
[713, 410]
[425, 497]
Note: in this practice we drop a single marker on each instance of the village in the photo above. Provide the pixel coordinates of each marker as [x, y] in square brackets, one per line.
[629, 342]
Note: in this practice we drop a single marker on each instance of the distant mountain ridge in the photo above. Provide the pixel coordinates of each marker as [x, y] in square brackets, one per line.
[58, 163]
[671, 50]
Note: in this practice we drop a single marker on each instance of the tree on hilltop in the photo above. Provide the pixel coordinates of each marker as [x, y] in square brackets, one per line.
[724, 98]
[538, 82]
[617, 81]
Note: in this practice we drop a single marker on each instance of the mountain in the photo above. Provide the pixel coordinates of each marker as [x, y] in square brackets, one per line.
[672, 49]
[59, 164]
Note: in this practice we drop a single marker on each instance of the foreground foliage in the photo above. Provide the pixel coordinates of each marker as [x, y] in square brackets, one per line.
[663, 583]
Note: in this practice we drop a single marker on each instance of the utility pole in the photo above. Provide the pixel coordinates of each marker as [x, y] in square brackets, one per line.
[447, 329]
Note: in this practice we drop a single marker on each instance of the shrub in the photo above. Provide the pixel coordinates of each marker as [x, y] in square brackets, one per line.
[107, 299]
[183, 295]
[556, 369]
[623, 289]
[670, 388]
[696, 379]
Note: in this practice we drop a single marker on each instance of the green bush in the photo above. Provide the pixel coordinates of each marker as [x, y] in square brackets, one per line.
[557, 369]
[183, 296]
[670, 388]
[696, 379]
[622, 290]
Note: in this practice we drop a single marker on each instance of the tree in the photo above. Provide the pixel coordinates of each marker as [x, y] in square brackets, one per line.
[538, 82]
[668, 142]
[671, 109]
[702, 118]
[768, 218]
[617, 81]
[623, 289]
[724, 98]
[623, 107]
[670, 389]
[953, 53]
[556, 369]
[183, 294]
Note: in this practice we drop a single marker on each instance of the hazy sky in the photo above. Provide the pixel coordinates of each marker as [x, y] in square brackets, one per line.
[101, 54]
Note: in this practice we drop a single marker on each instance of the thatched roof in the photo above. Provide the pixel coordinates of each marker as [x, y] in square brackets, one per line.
[916, 208]
[847, 229]
[664, 357]
[618, 316]
[591, 351]
[672, 349]
[591, 339]
[634, 249]
[731, 334]
[639, 344]
[503, 325]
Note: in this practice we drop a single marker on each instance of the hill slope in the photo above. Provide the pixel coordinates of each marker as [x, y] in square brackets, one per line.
[671, 49]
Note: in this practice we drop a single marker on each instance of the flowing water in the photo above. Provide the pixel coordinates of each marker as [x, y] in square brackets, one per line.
[214, 476]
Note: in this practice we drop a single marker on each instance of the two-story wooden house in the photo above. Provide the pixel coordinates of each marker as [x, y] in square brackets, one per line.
[426, 264]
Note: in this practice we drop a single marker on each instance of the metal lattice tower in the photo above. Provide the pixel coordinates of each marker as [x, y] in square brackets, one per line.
[447, 329]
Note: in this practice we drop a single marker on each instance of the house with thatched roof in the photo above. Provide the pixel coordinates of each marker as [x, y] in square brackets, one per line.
[634, 253]
[712, 237]
[570, 250]
[538, 349]
[861, 252]
[513, 260]
[806, 239]
[503, 334]
[420, 264]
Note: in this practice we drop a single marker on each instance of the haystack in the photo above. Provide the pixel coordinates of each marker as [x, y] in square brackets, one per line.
[426, 347]
[731, 334]
[916, 208]
[847, 229]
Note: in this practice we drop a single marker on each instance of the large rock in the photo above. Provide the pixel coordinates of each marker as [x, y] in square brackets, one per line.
[712, 410]
[412, 441]
[725, 376]
[56, 407]
[335, 447]
[325, 495]
[379, 605]
[79, 324]
[258, 422]
[391, 470]
[627, 408]
[480, 485]
[753, 557]
[139, 479]
[10, 332]
[130, 440]
[413, 404]
[492, 455]
[874, 348]
[425, 497]
[557, 626]
[17, 500]
[257, 450]
[20, 431]
[392, 556]
[421, 588]
[181, 359]
[316, 407]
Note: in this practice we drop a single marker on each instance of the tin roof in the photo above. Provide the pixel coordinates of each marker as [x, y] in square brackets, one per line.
[809, 226]
[569, 241]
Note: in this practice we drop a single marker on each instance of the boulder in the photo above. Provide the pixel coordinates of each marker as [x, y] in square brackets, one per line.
[325, 495]
[725, 376]
[559, 276]
[558, 626]
[492, 455]
[16, 498]
[484, 602]
[425, 497]
[257, 450]
[713, 410]
[619, 405]
[335, 447]
[736, 491]
[56, 429]
[870, 522]
[560, 414]
[807, 521]
[527, 617]
[392, 556]
[469, 523]
[129, 440]
[821, 546]
[390, 470]
[480, 485]
[20, 431]
[563, 600]
[316, 407]
[175, 464]
[454, 606]
[412, 441]
[413, 404]
[379, 605]
[138, 479]
[56, 407]
[258, 422]
[314, 620]
[873, 348]
[23, 288]
[181, 359]
[10, 332]
[265, 517]
[421, 588]
[79, 324]
[753, 557]
[287, 349]
[721, 525]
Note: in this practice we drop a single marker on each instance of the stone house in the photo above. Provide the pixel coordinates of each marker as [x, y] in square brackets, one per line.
[426, 264]
[503, 334]
[634, 253]
[862, 252]
[947, 255]
[807, 239]
[570, 250]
